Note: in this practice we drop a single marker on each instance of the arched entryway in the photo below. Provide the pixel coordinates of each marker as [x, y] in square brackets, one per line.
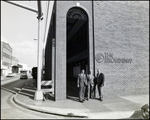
[77, 47]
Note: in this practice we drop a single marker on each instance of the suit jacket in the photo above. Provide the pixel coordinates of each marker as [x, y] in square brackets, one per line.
[82, 80]
[95, 80]
[90, 79]
[100, 79]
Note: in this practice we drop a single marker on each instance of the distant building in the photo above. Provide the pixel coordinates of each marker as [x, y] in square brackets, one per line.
[15, 65]
[6, 58]
[24, 67]
[15, 61]
[9, 63]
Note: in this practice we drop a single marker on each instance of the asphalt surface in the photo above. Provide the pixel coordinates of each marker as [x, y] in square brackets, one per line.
[10, 110]
[18, 96]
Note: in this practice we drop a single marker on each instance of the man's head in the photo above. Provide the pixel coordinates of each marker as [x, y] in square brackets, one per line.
[90, 71]
[98, 71]
[82, 71]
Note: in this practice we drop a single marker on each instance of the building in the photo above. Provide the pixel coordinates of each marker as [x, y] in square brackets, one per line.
[15, 61]
[23, 66]
[15, 66]
[6, 58]
[9, 63]
[109, 35]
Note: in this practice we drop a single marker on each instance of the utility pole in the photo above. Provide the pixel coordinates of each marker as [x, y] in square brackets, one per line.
[38, 93]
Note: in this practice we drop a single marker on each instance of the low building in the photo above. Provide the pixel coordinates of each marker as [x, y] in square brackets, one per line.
[15, 66]
[23, 67]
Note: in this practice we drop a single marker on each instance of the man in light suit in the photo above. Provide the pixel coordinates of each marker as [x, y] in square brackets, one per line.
[81, 83]
[90, 85]
[100, 83]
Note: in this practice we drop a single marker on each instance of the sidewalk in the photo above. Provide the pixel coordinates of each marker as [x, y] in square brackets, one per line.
[114, 107]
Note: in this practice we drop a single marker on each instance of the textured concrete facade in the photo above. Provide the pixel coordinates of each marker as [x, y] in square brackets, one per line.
[121, 32]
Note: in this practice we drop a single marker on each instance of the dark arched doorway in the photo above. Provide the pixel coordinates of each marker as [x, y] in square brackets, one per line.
[77, 47]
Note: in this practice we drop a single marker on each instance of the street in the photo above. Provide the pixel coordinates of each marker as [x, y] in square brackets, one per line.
[9, 109]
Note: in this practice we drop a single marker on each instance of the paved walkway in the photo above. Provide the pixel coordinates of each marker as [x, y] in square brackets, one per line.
[113, 107]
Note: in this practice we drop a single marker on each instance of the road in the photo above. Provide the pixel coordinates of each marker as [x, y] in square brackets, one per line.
[10, 110]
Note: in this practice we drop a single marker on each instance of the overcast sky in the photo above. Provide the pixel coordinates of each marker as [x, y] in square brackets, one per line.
[19, 27]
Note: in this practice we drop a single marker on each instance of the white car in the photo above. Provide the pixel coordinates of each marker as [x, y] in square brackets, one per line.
[10, 75]
[23, 76]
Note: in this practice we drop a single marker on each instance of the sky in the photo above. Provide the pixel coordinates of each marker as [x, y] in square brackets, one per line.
[19, 28]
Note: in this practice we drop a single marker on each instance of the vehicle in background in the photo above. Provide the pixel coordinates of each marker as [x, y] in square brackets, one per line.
[10, 75]
[23, 74]
[145, 111]
[34, 72]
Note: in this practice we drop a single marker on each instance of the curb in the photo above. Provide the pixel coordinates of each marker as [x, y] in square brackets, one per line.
[111, 115]
[74, 113]
[50, 110]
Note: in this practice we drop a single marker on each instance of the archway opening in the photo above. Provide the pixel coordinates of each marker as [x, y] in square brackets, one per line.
[77, 47]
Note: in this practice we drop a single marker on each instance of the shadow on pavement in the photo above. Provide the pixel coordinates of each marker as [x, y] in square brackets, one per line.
[72, 91]
[136, 115]
[14, 87]
[73, 98]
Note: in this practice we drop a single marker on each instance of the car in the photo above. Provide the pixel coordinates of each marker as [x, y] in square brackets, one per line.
[10, 75]
[145, 111]
[23, 76]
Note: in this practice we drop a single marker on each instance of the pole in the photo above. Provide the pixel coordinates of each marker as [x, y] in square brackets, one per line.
[38, 92]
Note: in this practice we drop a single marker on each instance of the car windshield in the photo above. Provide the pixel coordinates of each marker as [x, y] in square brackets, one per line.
[23, 72]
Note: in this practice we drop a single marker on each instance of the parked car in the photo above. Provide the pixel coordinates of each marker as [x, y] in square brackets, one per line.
[10, 75]
[145, 111]
[23, 76]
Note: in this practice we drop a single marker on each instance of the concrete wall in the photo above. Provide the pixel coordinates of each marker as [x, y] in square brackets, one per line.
[122, 29]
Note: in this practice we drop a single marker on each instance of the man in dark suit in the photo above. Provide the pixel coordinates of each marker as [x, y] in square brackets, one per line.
[95, 84]
[81, 83]
[100, 83]
[90, 85]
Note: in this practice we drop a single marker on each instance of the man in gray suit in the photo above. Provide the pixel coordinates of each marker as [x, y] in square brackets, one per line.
[100, 83]
[81, 83]
[90, 85]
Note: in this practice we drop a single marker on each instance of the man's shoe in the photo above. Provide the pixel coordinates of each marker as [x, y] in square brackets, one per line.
[81, 101]
[101, 99]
